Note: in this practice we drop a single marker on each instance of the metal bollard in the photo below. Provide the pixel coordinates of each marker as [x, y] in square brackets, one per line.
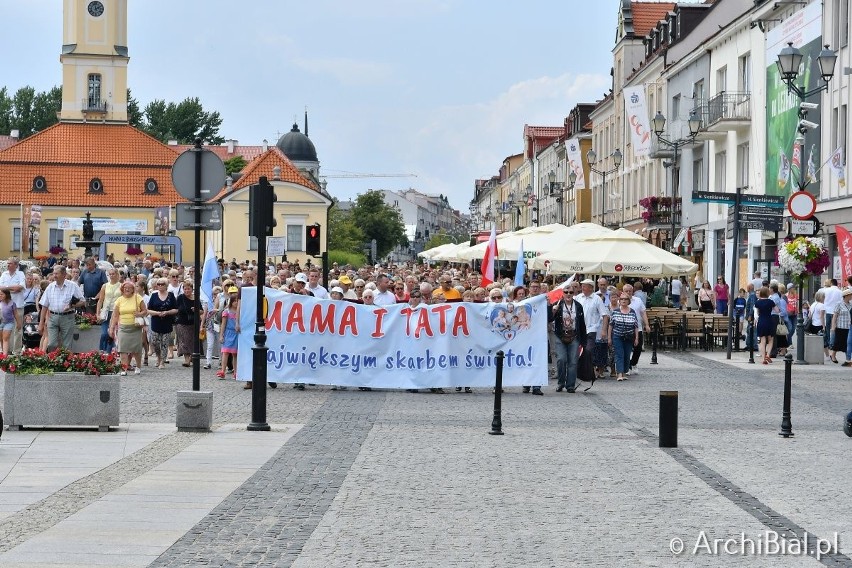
[655, 337]
[497, 421]
[751, 342]
[786, 423]
[668, 419]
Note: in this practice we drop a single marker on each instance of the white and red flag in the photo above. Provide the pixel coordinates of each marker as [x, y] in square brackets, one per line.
[488, 259]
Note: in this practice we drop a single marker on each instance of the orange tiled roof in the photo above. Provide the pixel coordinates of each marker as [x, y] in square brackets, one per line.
[6, 141]
[249, 153]
[544, 131]
[262, 166]
[69, 155]
[647, 14]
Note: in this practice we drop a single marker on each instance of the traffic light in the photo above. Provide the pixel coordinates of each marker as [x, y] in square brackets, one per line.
[312, 239]
[262, 200]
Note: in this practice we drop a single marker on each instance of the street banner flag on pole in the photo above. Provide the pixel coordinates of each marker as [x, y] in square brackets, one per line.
[488, 258]
[812, 173]
[844, 246]
[209, 273]
[783, 170]
[521, 268]
[838, 167]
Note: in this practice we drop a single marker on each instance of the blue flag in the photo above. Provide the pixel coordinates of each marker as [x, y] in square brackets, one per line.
[521, 268]
[209, 273]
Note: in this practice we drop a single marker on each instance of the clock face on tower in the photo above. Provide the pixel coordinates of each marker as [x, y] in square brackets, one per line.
[96, 9]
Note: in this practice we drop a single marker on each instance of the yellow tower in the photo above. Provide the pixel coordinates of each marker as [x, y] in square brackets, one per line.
[94, 61]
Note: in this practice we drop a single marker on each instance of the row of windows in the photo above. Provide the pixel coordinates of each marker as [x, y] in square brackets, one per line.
[95, 185]
[295, 238]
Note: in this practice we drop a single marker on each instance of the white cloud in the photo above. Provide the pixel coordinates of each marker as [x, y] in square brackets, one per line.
[349, 72]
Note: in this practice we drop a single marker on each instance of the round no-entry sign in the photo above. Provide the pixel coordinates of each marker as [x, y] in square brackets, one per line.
[802, 205]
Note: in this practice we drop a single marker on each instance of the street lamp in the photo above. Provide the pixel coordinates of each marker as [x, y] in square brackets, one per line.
[788, 63]
[592, 159]
[553, 187]
[659, 125]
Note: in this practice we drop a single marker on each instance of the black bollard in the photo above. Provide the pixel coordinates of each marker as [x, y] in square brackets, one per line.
[668, 419]
[786, 423]
[750, 342]
[497, 421]
[655, 337]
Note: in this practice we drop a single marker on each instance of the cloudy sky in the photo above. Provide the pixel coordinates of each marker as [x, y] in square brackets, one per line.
[438, 88]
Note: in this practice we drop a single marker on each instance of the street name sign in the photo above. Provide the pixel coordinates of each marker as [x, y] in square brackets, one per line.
[211, 216]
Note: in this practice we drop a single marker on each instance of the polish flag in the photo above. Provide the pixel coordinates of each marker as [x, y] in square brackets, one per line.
[556, 294]
[488, 259]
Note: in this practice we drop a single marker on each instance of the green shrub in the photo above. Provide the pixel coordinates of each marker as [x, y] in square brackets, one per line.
[343, 257]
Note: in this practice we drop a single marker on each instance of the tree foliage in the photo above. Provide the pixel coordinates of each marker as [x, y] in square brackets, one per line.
[134, 113]
[184, 121]
[378, 220]
[28, 111]
[343, 234]
[438, 239]
[235, 164]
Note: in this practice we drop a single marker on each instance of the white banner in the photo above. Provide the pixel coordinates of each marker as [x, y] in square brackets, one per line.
[575, 162]
[331, 342]
[102, 224]
[637, 119]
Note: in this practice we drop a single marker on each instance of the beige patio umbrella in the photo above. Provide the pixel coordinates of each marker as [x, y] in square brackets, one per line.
[621, 252]
[429, 253]
[537, 240]
[451, 254]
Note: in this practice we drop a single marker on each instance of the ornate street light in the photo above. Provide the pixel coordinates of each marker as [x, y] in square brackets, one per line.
[788, 63]
[659, 125]
[592, 159]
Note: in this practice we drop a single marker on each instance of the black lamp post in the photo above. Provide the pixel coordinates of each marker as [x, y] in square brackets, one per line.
[592, 159]
[32, 240]
[554, 187]
[659, 125]
[788, 63]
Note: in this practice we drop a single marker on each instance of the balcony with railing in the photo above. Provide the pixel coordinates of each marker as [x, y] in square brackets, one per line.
[725, 111]
[95, 106]
[657, 212]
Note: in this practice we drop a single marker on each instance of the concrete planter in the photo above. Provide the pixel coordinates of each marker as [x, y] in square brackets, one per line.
[86, 340]
[62, 399]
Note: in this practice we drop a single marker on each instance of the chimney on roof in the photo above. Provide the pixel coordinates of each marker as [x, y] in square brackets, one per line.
[15, 134]
[231, 144]
[265, 144]
[172, 143]
[276, 173]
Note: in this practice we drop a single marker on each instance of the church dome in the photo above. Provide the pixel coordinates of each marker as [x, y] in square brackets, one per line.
[297, 146]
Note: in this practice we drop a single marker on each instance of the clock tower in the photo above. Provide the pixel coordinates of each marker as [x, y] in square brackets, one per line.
[94, 61]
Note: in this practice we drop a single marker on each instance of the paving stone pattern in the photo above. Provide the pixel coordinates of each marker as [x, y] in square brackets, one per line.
[42, 515]
[266, 521]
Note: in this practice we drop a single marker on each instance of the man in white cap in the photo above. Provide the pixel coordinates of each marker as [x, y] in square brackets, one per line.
[597, 320]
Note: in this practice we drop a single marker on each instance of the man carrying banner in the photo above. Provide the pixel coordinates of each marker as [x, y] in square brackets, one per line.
[593, 359]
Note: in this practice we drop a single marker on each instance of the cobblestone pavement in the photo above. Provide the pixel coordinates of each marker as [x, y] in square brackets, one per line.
[401, 479]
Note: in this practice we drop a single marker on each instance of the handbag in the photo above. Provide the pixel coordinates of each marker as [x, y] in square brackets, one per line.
[140, 321]
[781, 329]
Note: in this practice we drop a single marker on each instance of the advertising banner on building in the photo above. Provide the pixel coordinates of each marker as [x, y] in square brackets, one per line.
[804, 30]
[636, 110]
[575, 162]
[844, 247]
[329, 342]
[103, 224]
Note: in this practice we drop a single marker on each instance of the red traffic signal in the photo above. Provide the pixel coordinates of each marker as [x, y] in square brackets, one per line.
[312, 240]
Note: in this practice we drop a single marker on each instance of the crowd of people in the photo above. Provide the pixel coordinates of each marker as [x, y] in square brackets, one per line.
[596, 328]
[146, 309]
